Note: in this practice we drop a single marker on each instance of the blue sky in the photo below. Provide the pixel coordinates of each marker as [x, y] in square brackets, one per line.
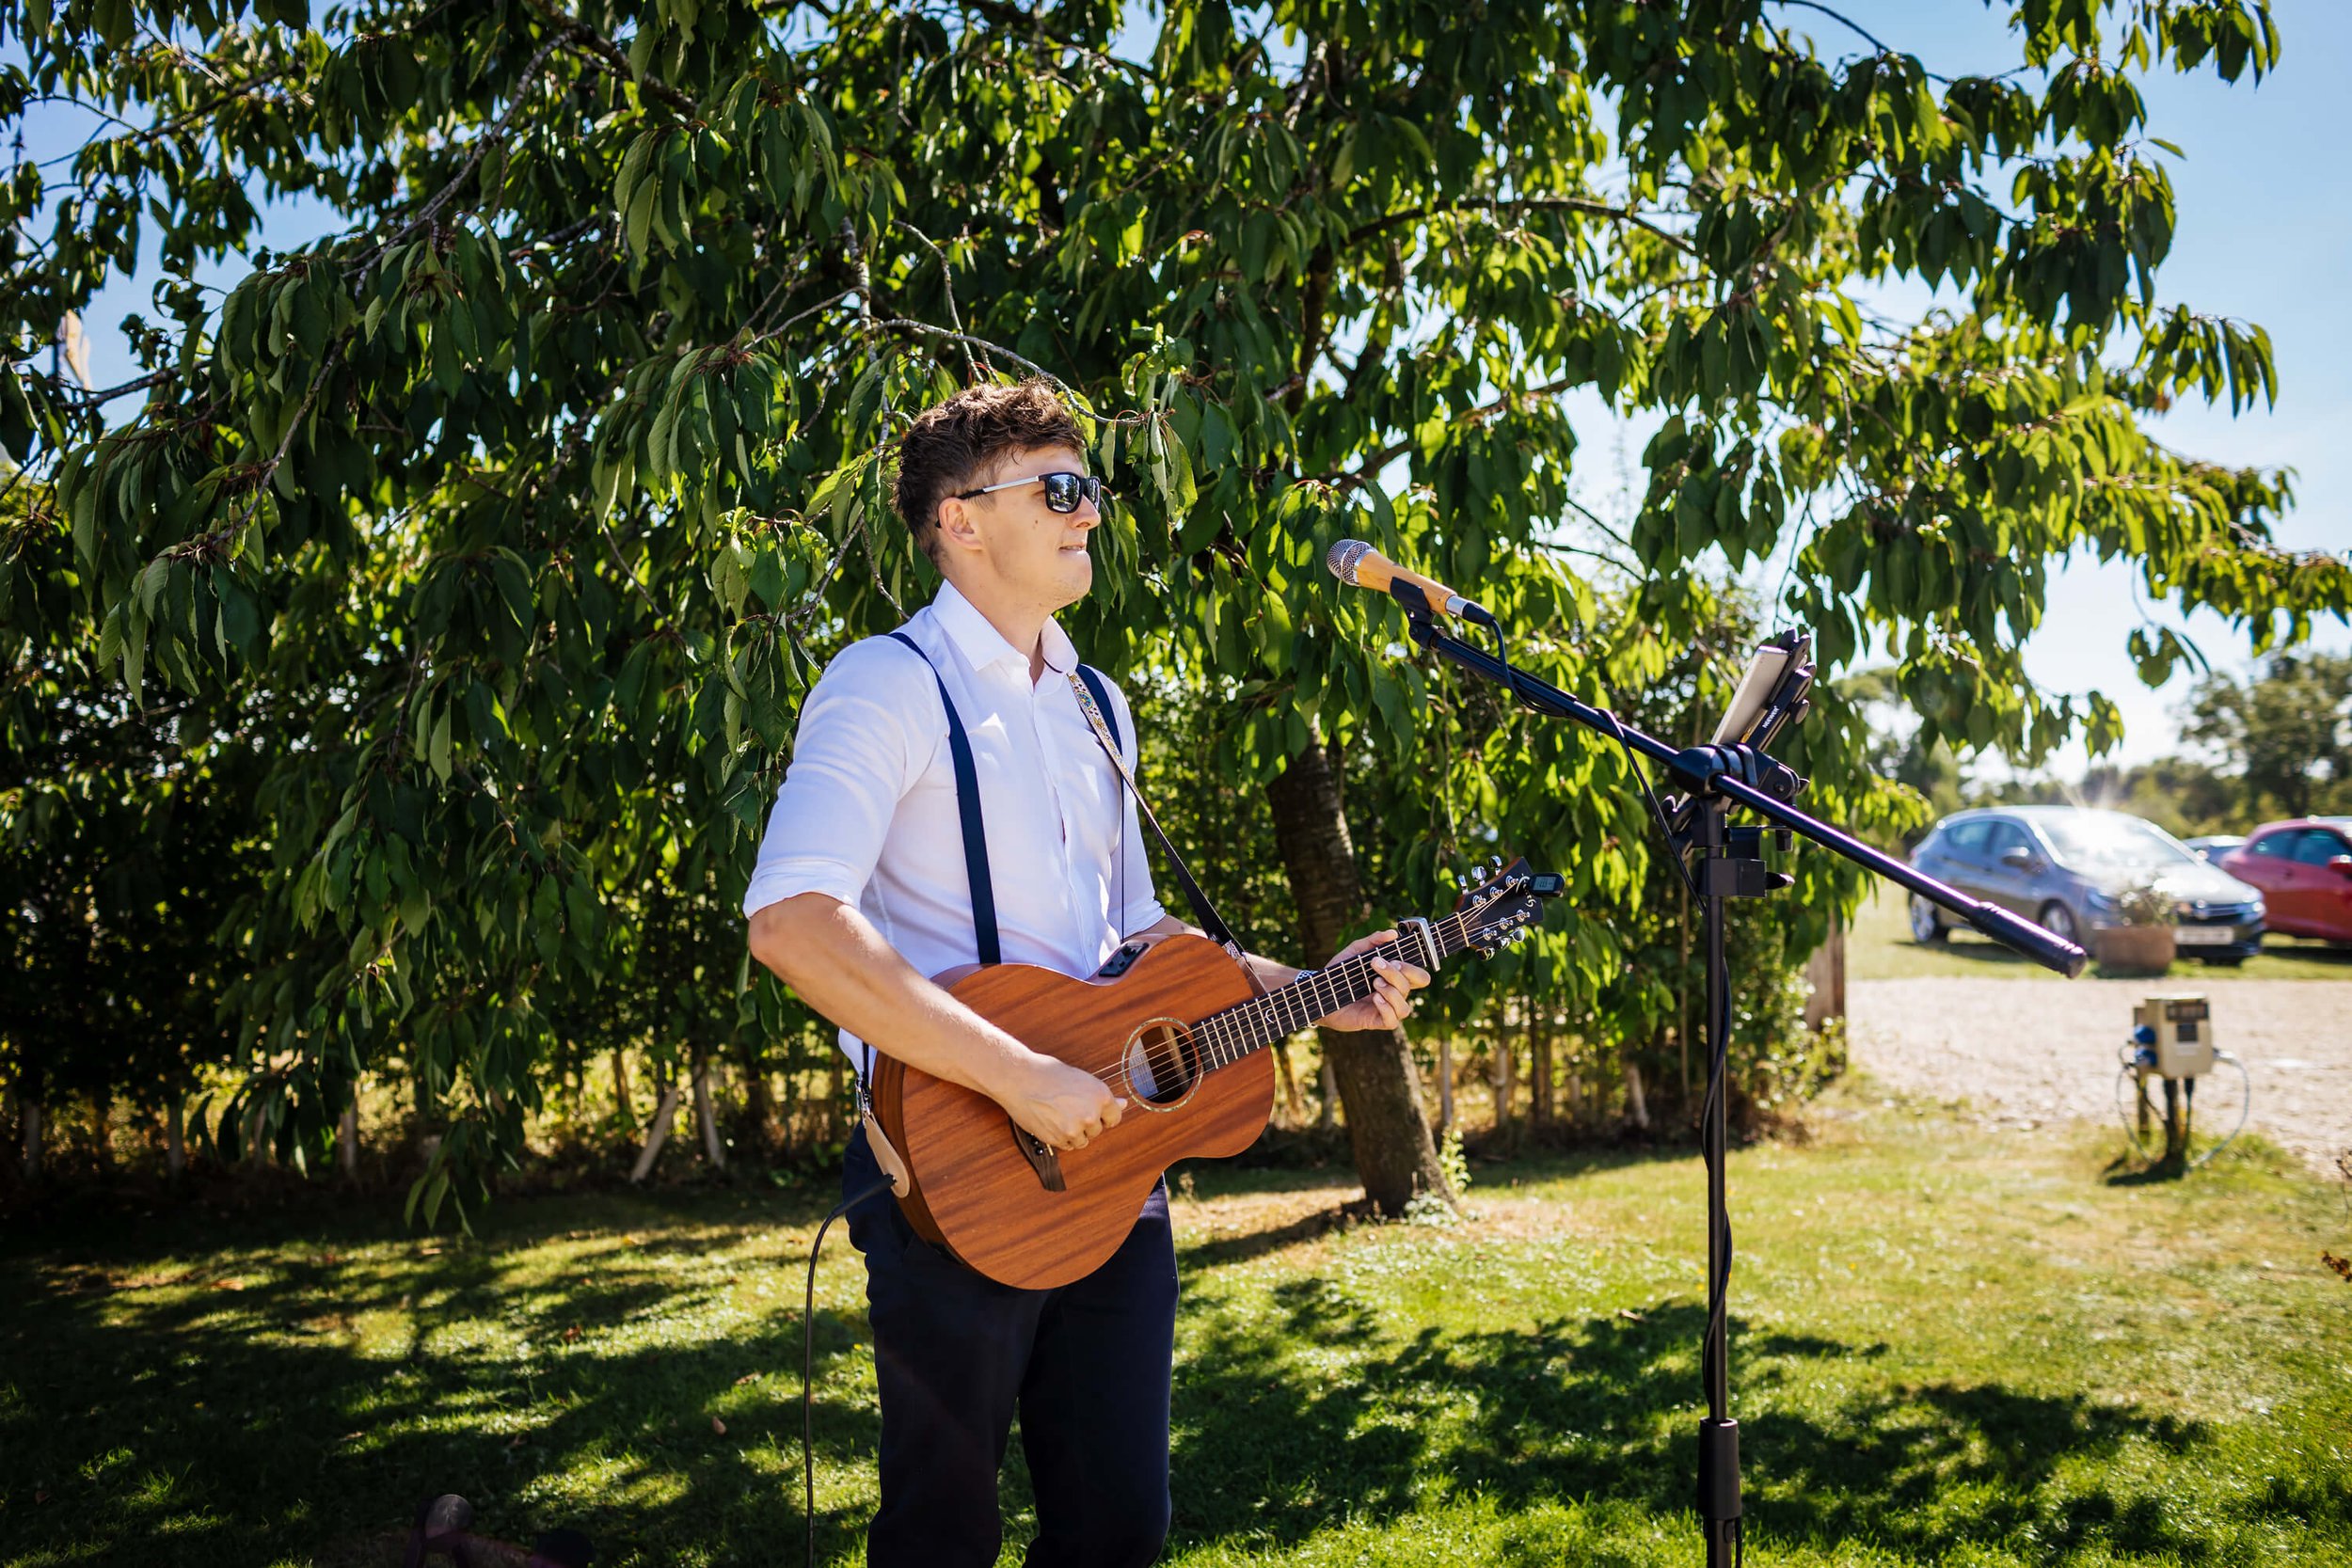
[2265, 223]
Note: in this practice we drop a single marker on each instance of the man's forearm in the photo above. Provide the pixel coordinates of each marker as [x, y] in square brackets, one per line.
[840, 965]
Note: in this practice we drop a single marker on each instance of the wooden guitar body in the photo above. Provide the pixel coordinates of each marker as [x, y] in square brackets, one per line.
[979, 1194]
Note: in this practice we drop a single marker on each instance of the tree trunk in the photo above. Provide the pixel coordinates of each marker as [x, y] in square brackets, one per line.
[1373, 1068]
[1295, 1104]
[664, 1112]
[1636, 1104]
[714, 1147]
[625, 1100]
[1445, 1081]
[1328, 1091]
[176, 1137]
[1540, 1073]
[1682, 997]
[1505, 1077]
[755, 1132]
[28, 1115]
[102, 1129]
[347, 1142]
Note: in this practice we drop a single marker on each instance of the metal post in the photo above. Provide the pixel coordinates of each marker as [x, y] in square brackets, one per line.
[1719, 1434]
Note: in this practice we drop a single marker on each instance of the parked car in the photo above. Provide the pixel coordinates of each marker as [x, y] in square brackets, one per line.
[2063, 867]
[2212, 846]
[2304, 869]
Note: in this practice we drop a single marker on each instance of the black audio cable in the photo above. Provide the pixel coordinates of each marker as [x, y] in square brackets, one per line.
[808, 1360]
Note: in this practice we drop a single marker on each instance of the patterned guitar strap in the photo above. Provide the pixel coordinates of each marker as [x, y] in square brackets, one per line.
[1203, 911]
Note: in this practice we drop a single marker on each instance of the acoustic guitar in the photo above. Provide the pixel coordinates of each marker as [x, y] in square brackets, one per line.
[1176, 1028]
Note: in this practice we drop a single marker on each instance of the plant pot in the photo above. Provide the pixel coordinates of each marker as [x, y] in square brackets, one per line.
[2146, 949]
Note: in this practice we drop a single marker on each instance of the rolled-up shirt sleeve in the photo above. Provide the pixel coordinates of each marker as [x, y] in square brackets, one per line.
[866, 736]
[1133, 873]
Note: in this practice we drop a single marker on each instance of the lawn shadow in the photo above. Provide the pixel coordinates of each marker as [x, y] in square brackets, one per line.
[2318, 950]
[1605, 1409]
[239, 1416]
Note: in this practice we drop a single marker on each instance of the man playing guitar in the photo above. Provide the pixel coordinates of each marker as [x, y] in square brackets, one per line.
[861, 892]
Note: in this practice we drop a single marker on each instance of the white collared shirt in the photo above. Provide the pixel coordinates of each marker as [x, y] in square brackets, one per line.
[867, 811]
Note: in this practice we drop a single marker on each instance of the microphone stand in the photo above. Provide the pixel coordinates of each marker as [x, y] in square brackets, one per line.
[1730, 865]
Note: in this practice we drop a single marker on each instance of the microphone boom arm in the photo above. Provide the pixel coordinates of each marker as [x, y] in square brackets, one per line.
[1705, 770]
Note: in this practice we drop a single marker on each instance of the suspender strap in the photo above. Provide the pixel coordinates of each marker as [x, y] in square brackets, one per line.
[1094, 701]
[968, 806]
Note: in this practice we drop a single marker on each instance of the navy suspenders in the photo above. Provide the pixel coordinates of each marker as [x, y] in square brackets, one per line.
[968, 800]
[968, 806]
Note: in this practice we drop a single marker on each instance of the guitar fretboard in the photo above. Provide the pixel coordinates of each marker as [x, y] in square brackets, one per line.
[1228, 1036]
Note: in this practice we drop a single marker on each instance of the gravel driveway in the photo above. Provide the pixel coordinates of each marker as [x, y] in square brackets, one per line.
[2032, 1051]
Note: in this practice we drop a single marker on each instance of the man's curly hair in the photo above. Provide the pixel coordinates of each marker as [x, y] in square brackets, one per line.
[949, 447]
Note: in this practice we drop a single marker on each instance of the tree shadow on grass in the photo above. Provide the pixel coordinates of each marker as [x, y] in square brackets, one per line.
[248, 1418]
[303, 1410]
[1605, 1409]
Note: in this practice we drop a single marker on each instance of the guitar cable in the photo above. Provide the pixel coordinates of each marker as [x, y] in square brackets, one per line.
[808, 1360]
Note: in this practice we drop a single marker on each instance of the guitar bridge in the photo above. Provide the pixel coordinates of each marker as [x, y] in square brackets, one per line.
[1045, 1161]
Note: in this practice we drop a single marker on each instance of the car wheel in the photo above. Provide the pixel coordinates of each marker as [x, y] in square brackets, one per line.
[2059, 920]
[1927, 924]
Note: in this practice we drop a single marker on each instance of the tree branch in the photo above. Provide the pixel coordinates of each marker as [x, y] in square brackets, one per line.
[614, 59]
[497, 133]
[901, 324]
[1532, 204]
[1369, 468]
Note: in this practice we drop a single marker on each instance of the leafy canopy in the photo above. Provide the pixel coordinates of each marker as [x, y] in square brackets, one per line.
[529, 501]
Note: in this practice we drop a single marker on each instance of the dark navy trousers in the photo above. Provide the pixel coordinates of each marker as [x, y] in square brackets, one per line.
[1087, 1366]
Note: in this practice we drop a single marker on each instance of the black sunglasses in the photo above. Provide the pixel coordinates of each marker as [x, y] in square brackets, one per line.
[1062, 491]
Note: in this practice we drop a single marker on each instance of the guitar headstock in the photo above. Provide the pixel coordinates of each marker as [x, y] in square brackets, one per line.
[1504, 903]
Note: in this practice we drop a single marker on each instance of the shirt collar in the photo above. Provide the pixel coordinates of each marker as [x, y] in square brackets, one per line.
[981, 644]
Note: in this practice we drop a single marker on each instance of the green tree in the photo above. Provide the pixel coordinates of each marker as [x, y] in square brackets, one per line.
[2285, 731]
[531, 497]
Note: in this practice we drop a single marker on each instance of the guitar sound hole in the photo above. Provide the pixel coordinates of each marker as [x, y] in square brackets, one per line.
[1162, 1066]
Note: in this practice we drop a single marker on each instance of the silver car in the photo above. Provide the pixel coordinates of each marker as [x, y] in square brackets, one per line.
[2063, 866]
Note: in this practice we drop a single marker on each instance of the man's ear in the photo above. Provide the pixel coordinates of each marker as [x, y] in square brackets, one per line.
[958, 528]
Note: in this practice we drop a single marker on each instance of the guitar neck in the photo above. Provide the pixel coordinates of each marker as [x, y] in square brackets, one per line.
[1228, 1036]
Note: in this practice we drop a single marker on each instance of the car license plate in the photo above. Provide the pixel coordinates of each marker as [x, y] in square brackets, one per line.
[2203, 936]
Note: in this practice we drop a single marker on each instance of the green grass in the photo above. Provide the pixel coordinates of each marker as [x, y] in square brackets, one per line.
[1879, 948]
[1947, 1347]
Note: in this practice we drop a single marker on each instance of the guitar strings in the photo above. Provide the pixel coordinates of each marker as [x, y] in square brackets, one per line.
[1166, 1063]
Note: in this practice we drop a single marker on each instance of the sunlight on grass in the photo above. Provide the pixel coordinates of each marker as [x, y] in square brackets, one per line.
[1949, 1347]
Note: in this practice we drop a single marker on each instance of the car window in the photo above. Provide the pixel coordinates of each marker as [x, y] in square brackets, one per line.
[2318, 846]
[1966, 838]
[2278, 845]
[2105, 840]
[2004, 837]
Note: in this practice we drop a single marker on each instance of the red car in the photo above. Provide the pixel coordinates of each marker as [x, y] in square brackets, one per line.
[2304, 868]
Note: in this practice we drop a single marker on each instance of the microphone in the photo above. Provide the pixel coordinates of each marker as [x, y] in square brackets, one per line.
[1359, 566]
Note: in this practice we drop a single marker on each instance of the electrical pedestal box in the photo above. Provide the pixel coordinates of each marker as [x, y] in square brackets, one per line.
[2183, 1031]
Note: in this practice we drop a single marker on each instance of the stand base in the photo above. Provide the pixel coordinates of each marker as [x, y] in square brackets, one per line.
[1719, 1490]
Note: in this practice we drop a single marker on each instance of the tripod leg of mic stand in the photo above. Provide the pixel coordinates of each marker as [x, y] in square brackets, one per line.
[1719, 1434]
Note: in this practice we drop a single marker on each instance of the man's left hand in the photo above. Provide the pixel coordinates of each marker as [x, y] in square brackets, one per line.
[1393, 982]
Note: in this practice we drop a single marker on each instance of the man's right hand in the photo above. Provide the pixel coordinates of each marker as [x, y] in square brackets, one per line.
[1059, 1105]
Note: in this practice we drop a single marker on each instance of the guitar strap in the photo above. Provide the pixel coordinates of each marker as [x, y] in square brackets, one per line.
[1093, 697]
[1094, 701]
